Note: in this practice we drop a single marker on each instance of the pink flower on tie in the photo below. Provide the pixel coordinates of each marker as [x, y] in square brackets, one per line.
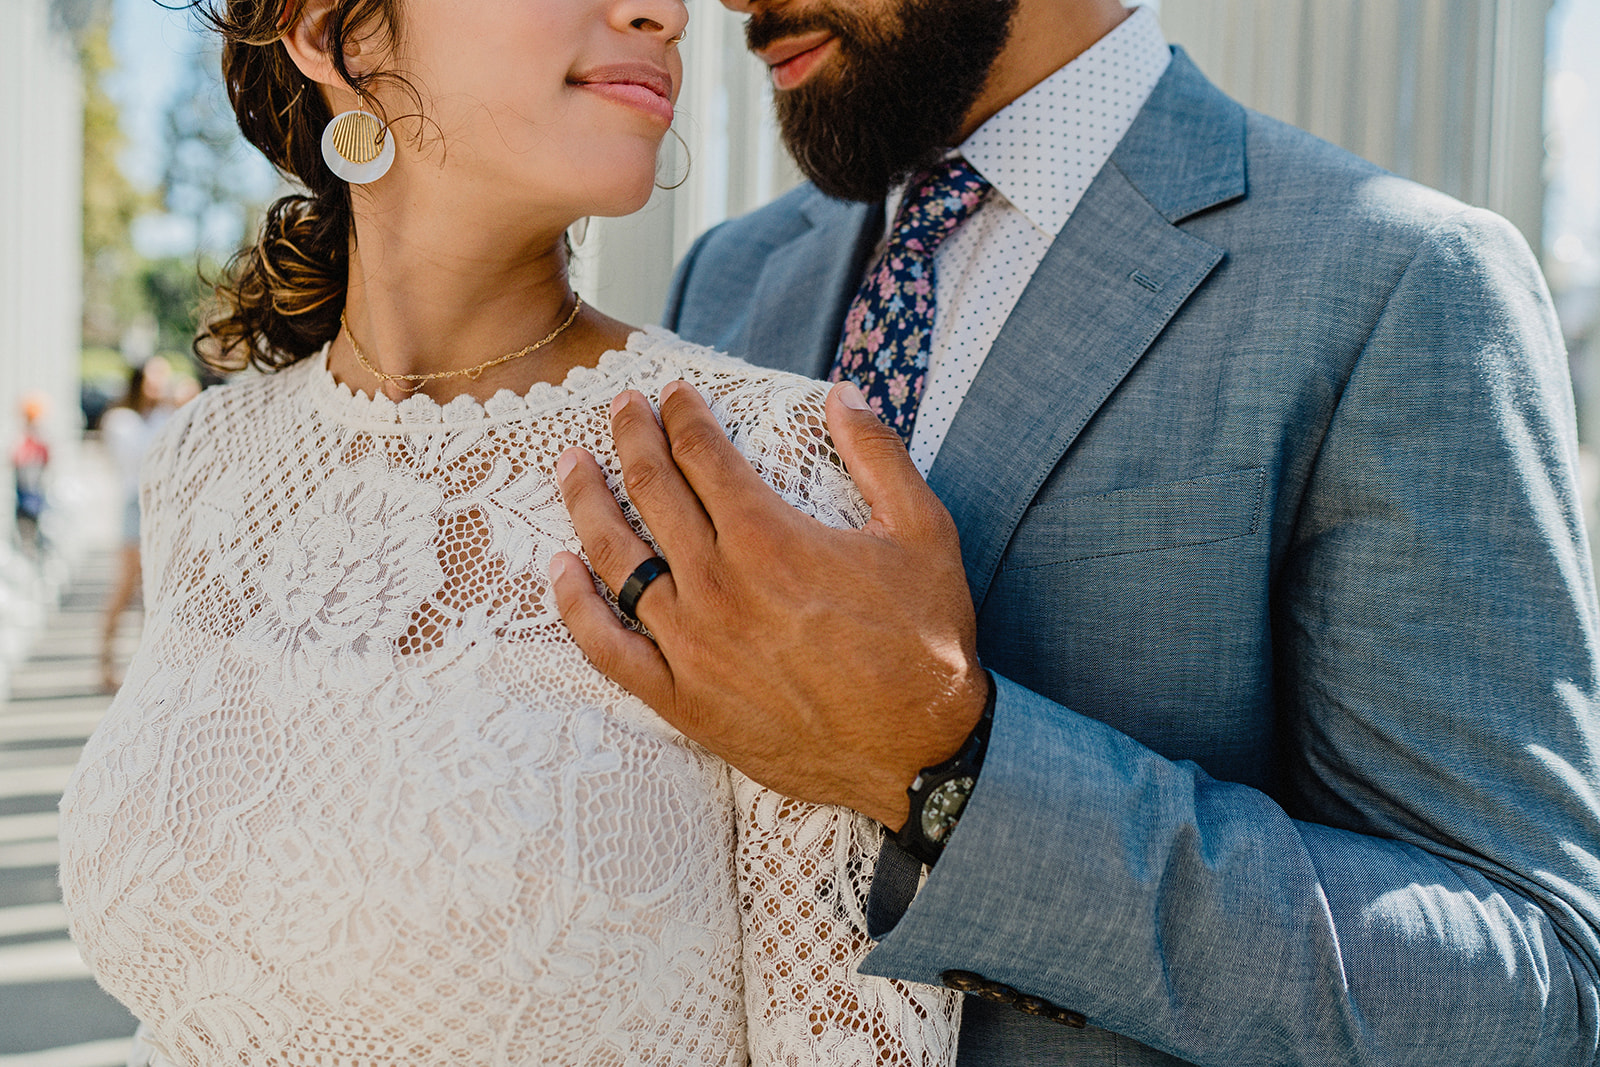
[899, 389]
[889, 359]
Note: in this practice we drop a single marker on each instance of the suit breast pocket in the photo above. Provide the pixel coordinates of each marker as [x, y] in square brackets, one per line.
[1216, 507]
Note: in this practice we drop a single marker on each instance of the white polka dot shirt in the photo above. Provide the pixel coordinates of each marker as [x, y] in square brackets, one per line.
[1040, 153]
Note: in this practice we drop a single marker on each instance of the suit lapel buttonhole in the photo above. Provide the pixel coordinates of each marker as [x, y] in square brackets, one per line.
[1144, 281]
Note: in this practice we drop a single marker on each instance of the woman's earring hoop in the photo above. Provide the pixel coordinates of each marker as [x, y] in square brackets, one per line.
[357, 147]
[688, 163]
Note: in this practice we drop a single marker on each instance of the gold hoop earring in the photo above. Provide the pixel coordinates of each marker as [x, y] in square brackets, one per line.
[680, 36]
[688, 163]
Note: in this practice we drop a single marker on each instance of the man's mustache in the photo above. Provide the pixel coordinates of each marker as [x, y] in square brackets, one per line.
[766, 27]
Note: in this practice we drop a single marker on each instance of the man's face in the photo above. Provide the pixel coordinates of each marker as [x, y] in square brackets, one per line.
[869, 91]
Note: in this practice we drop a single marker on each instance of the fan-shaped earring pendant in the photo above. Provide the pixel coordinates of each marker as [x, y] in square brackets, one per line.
[357, 147]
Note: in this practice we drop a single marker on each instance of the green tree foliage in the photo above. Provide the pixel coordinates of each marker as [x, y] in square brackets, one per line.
[174, 293]
[138, 305]
[110, 200]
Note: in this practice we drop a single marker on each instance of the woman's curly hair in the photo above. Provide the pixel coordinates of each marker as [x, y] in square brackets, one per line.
[279, 300]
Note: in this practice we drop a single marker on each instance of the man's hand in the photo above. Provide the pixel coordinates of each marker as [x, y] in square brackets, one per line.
[830, 665]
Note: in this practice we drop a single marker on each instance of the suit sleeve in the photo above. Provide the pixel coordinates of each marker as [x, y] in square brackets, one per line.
[1425, 888]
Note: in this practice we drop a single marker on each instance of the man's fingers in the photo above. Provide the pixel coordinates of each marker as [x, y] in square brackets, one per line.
[656, 486]
[724, 481]
[877, 459]
[624, 655]
[613, 548]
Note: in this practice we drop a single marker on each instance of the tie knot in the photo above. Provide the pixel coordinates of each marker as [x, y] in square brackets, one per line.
[936, 202]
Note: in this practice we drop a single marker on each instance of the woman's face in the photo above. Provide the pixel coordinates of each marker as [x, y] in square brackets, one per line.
[536, 106]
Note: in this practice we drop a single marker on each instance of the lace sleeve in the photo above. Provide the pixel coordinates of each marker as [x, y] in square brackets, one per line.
[158, 470]
[804, 869]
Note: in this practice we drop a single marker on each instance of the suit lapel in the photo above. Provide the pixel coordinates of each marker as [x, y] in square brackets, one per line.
[806, 287]
[1117, 273]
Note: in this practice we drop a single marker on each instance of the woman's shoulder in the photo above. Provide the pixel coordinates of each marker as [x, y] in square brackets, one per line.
[727, 380]
[225, 422]
[777, 420]
[703, 360]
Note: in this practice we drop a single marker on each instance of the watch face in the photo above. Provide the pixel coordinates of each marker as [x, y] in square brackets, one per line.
[942, 810]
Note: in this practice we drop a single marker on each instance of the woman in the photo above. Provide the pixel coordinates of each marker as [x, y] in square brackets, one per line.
[126, 431]
[360, 798]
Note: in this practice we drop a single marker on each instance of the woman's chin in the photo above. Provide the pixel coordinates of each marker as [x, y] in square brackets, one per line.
[613, 199]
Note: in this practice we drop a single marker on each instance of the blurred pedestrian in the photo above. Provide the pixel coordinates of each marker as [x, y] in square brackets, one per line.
[126, 430]
[30, 460]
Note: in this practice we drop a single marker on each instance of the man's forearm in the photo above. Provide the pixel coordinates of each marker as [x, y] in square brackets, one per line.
[1197, 917]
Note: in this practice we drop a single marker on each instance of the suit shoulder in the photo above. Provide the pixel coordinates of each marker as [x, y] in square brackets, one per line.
[765, 228]
[1297, 172]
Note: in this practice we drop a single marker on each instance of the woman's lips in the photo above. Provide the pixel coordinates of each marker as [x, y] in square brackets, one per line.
[792, 69]
[643, 88]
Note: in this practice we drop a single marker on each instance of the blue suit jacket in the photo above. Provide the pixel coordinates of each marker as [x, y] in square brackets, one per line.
[1267, 501]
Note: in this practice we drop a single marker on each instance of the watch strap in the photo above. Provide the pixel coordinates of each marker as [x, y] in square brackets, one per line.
[967, 761]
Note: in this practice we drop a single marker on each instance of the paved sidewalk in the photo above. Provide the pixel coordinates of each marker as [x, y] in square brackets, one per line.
[51, 1012]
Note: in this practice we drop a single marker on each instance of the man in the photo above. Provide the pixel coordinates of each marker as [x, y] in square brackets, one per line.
[1262, 464]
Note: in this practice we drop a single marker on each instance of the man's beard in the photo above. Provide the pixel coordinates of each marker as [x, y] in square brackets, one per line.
[900, 87]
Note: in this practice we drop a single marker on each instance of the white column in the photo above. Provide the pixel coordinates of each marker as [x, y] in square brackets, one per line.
[41, 150]
[1448, 92]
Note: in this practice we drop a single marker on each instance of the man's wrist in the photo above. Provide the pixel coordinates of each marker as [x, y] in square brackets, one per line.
[880, 786]
[939, 793]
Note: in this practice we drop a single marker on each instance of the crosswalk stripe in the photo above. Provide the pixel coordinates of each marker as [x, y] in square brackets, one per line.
[53, 755]
[28, 919]
[113, 1053]
[21, 854]
[35, 781]
[35, 826]
[41, 961]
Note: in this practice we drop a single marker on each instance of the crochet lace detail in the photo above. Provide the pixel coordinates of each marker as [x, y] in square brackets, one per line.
[362, 801]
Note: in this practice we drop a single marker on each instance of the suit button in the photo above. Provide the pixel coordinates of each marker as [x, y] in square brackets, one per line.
[964, 981]
[1034, 1006]
[1068, 1018]
[996, 993]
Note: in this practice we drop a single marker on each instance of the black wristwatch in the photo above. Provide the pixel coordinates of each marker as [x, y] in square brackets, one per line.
[940, 793]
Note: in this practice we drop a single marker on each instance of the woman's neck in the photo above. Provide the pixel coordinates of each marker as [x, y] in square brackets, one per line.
[430, 294]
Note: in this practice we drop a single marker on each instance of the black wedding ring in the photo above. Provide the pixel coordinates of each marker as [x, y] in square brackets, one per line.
[632, 589]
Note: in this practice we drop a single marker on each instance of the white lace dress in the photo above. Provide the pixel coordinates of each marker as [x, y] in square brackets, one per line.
[361, 799]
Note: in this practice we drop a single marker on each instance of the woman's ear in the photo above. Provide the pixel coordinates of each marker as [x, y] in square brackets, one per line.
[306, 41]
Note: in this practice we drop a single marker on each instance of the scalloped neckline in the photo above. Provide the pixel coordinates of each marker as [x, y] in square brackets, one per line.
[421, 411]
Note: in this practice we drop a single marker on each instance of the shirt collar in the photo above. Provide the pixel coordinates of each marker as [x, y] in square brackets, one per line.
[1042, 150]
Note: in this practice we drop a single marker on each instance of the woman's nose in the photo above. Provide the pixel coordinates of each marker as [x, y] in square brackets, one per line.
[664, 18]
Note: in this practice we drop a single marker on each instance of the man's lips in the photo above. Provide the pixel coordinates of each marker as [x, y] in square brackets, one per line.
[794, 58]
[638, 85]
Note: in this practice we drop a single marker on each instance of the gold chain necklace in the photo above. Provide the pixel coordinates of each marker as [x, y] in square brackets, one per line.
[412, 382]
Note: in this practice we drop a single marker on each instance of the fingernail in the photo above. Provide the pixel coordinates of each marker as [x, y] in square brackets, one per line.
[564, 465]
[671, 387]
[559, 566]
[851, 397]
[618, 403]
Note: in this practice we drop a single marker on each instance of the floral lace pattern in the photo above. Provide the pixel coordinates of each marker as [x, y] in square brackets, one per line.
[361, 800]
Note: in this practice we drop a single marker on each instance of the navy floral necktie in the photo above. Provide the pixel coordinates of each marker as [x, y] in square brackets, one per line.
[888, 334]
